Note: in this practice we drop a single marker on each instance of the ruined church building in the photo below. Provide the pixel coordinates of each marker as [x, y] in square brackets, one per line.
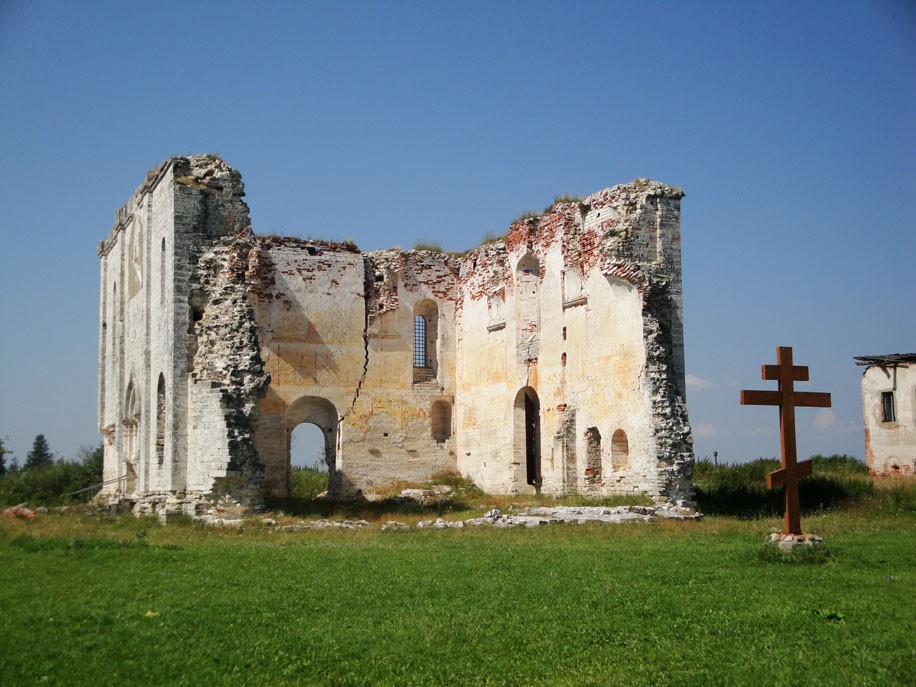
[550, 360]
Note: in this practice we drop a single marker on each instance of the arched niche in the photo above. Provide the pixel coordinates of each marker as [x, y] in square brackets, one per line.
[160, 421]
[593, 456]
[527, 306]
[131, 427]
[441, 421]
[620, 450]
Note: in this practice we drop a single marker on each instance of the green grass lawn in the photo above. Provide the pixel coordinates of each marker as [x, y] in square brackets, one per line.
[114, 601]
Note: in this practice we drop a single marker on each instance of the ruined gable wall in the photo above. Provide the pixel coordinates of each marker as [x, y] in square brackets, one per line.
[336, 326]
[149, 262]
[309, 300]
[392, 434]
[643, 248]
[608, 294]
[582, 357]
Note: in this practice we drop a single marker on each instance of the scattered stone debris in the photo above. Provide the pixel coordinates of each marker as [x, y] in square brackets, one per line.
[423, 497]
[324, 524]
[21, 511]
[220, 522]
[395, 526]
[787, 542]
[533, 517]
[440, 524]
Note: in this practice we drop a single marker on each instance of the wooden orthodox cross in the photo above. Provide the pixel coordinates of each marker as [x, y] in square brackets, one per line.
[785, 373]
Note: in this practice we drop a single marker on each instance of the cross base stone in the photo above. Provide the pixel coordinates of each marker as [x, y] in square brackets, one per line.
[788, 542]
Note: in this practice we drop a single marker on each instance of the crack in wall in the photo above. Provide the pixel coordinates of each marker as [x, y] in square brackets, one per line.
[367, 275]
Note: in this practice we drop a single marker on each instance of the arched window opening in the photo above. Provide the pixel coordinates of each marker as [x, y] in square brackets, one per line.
[527, 281]
[620, 450]
[441, 421]
[527, 422]
[160, 421]
[425, 340]
[419, 341]
[593, 456]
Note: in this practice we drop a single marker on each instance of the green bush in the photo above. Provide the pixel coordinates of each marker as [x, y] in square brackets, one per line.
[838, 463]
[51, 484]
[307, 483]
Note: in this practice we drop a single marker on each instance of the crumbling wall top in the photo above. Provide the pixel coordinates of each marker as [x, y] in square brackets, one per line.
[208, 173]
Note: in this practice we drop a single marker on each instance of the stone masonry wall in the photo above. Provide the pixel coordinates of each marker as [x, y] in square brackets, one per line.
[553, 357]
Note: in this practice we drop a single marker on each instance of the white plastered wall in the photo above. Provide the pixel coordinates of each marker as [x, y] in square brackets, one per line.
[890, 447]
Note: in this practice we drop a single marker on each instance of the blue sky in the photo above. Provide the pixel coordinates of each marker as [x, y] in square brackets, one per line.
[790, 126]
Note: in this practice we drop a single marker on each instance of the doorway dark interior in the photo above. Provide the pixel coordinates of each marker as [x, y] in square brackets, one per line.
[533, 439]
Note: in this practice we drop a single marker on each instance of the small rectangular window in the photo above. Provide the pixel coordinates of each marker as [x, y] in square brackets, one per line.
[887, 407]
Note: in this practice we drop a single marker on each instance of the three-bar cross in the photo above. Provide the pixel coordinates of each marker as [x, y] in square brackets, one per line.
[787, 399]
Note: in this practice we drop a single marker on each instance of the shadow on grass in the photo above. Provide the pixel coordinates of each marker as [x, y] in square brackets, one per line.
[741, 491]
[364, 510]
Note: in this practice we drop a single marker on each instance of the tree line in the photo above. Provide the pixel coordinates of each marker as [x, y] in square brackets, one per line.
[45, 479]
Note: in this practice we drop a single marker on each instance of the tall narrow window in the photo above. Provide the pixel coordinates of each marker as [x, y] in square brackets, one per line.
[425, 340]
[419, 341]
[160, 421]
[162, 273]
[887, 407]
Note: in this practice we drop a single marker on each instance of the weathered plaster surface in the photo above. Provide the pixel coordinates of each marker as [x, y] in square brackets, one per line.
[554, 356]
[890, 447]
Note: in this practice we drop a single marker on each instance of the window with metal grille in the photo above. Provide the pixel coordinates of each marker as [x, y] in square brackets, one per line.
[419, 341]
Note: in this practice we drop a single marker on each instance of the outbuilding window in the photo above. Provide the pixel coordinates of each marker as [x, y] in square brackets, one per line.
[887, 407]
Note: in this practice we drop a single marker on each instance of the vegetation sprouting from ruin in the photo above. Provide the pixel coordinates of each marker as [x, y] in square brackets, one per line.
[562, 199]
[525, 215]
[427, 244]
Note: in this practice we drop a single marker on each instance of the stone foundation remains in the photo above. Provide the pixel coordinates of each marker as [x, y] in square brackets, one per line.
[550, 360]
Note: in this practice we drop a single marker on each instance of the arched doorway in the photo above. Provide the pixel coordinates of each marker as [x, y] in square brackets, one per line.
[311, 431]
[527, 416]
